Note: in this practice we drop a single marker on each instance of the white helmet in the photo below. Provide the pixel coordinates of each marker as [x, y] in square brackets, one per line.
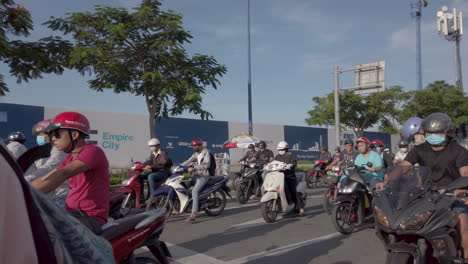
[153, 142]
[282, 145]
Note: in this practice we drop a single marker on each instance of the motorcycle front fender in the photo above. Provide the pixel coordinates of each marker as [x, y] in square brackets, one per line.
[347, 198]
[169, 191]
[269, 196]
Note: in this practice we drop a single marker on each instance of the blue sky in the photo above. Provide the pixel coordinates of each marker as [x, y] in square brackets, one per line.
[295, 45]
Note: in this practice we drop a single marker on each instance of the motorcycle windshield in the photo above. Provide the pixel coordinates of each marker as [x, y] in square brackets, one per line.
[406, 184]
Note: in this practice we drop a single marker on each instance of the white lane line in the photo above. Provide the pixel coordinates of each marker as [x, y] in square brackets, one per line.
[258, 203]
[283, 249]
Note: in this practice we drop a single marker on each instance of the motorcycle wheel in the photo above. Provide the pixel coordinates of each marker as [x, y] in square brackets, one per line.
[328, 200]
[145, 260]
[268, 212]
[160, 201]
[218, 198]
[128, 204]
[344, 218]
[243, 192]
[398, 258]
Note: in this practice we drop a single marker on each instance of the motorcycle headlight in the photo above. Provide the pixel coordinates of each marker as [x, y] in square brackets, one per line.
[252, 165]
[381, 218]
[348, 188]
[417, 221]
[126, 181]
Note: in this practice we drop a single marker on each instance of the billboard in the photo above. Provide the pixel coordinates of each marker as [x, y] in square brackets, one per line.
[305, 142]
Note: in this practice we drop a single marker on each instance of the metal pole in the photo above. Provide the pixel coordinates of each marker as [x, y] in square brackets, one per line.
[418, 46]
[337, 105]
[250, 74]
[458, 66]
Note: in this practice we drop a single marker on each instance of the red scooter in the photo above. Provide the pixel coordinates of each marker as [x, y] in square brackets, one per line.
[314, 176]
[131, 195]
[137, 231]
[331, 180]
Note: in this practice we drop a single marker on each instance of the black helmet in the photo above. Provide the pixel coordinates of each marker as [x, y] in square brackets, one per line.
[261, 145]
[349, 141]
[17, 136]
[403, 143]
[437, 123]
[251, 146]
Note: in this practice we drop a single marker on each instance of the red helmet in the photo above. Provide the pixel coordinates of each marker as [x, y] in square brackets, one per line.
[70, 120]
[197, 142]
[363, 139]
[40, 126]
[378, 143]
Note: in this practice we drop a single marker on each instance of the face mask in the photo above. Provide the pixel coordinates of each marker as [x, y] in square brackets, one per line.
[435, 140]
[41, 140]
[403, 150]
[281, 152]
[153, 148]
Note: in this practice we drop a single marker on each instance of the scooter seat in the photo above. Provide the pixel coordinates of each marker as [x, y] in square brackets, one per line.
[214, 180]
[122, 226]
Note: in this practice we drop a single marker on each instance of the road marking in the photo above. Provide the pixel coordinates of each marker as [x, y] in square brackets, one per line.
[283, 249]
[185, 256]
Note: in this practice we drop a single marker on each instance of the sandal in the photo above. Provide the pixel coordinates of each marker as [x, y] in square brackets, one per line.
[190, 219]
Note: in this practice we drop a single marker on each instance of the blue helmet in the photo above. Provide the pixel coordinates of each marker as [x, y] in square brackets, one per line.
[411, 127]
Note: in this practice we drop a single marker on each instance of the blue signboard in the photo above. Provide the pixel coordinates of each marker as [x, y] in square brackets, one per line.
[15, 117]
[176, 135]
[305, 142]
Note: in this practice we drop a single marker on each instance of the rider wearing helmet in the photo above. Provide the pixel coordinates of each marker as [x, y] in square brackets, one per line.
[198, 164]
[402, 152]
[371, 161]
[45, 165]
[380, 147]
[349, 153]
[16, 144]
[290, 177]
[86, 168]
[264, 156]
[447, 161]
[250, 155]
[337, 157]
[159, 164]
[413, 131]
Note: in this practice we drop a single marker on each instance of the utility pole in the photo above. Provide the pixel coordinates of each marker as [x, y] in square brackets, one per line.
[450, 26]
[417, 13]
[249, 85]
[337, 106]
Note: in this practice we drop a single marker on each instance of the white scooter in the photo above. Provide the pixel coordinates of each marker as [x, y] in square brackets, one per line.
[274, 199]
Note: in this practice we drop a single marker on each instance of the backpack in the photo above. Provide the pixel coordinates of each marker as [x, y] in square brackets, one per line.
[212, 168]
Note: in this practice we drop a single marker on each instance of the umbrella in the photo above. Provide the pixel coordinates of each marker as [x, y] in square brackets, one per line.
[241, 141]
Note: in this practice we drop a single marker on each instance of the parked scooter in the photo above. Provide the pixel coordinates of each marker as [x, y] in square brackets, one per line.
[246, 184]
[176, 194]
[274, 201]
[414, 219]
[352, 204]
[132, 194]
[137, 231]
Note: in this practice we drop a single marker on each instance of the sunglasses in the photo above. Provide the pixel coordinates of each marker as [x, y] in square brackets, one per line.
[56, 133]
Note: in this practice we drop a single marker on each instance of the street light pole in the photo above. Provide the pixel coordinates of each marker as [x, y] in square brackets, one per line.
[249, 85]
[337, 106]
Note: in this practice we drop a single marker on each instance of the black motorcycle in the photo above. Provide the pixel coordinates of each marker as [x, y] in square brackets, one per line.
[352, 204]
[414, 219]
[245, 186]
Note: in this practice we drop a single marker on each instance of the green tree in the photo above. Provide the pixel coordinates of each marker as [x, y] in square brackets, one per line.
[141, 52]
[437, 97]
[359, 112]
[26, 60]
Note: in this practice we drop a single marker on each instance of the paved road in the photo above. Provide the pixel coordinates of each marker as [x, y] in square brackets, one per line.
[240, 235]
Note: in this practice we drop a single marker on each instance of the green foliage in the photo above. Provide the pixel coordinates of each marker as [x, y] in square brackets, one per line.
[27, 60]
[141, 52]
[303, 169]
[305, 162]
[357, 112]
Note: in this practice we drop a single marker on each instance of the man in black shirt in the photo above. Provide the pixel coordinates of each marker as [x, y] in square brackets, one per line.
[447, 160]
[264, 156]
[248, 157]
[349, 153]
[337, 158]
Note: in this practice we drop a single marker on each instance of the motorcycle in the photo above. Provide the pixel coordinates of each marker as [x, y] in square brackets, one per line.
[137, 231]
[131, 194]
[176, 194]
[352, 204]
[245, 187]
[317, 173]
[331, 180]
[274, 199]
[414, 219]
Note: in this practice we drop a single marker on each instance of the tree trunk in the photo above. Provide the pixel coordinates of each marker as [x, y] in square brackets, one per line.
[152, 125]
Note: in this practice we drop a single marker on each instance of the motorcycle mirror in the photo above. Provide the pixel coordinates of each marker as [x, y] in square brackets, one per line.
[30, 156]
[460, 183]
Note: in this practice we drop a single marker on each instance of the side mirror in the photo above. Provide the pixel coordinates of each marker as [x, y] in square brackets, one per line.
[460, 183]
[30, 156]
